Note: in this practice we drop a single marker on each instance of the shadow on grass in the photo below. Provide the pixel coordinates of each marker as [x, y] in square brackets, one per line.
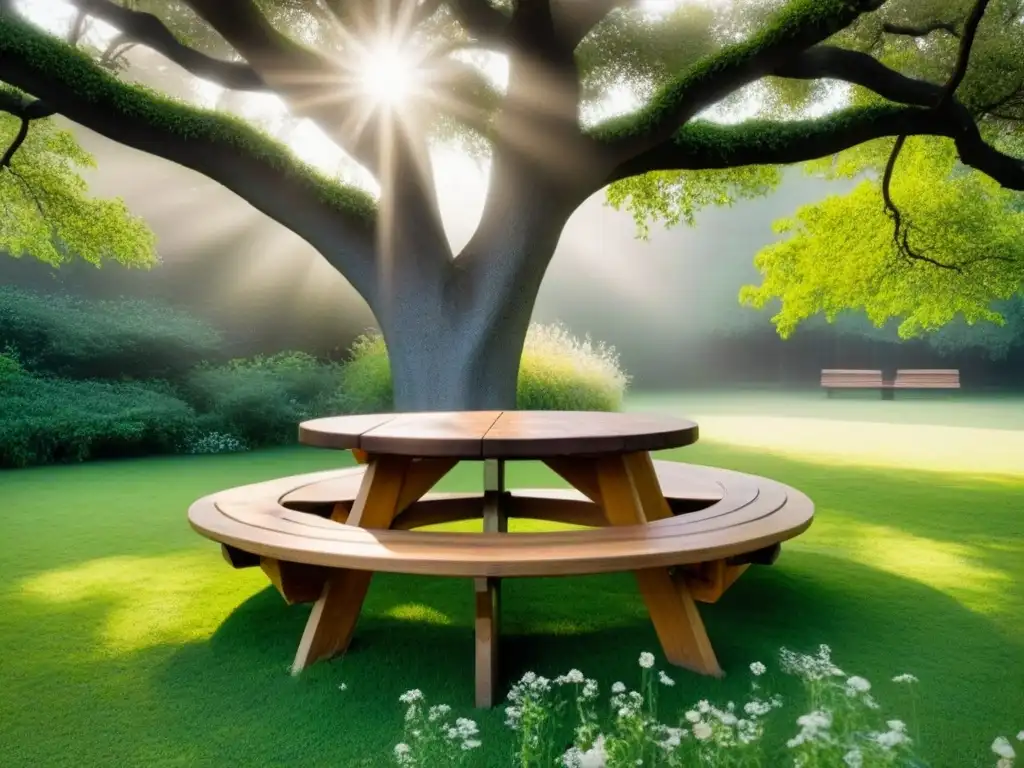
[229, 699]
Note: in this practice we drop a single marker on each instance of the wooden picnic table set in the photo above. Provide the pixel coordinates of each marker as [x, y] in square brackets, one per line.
[687, 532]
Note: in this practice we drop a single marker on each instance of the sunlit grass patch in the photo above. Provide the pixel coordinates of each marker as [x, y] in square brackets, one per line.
[964, 450]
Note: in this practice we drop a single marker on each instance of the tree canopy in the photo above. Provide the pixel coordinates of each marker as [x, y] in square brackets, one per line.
[693, 104]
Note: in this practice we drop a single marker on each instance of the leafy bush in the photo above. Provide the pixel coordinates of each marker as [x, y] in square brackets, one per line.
[562, 373]
[10, 365]
[842, 725]
[558, 373]
[47, 420]
[261, 400]
[131, 339]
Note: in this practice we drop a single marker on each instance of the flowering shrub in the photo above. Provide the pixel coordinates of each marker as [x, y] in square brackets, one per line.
[213, 442]
[841, 726]
[430, 738]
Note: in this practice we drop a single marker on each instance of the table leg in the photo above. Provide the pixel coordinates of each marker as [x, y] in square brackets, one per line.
[487, 627]
[487, 624]
[631, 494]
[334, 616]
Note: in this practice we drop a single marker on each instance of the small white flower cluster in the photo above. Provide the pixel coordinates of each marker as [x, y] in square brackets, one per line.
[810, 668]
[594, 757]
[1004, 750]
[814, 727]
[892, 738]
[213, 442]
[529, 691]
[430, 738]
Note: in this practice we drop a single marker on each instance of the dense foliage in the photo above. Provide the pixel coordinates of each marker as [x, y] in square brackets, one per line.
[65, 336]
[47, 210]
[86, 380]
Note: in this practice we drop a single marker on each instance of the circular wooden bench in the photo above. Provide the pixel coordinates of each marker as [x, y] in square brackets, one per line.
[295, 529]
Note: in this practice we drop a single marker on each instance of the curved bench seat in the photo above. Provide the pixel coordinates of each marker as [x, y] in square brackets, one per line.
[749, 514]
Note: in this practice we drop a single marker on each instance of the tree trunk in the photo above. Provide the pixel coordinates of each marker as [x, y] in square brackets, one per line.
[455, 367]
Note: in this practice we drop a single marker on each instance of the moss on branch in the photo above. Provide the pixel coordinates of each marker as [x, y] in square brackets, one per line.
[800, 24]
[55, 60]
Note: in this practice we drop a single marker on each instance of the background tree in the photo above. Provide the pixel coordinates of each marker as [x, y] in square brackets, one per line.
[455, 323]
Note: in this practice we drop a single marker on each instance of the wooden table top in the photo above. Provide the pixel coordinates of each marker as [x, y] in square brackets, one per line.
[499, 434]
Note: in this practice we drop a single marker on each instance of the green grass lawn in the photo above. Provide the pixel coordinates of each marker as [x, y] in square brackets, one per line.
[126, 640]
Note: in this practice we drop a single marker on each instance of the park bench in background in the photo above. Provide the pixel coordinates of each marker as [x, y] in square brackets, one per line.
[927, 379]
[833, 379]
[841, 378]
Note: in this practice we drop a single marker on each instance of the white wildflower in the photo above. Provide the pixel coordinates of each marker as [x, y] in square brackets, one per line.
[437, 712]
[589, 690]
[703, 706]
[702, 731]
[1004, 762]
[646, 660]
[891, 739]
[758, 669]
[897, 725]
[1003, 748]
[665, 679]
[343, 687]
[573, 676]
[469, 744]
[906, 678]
[854, 758]
[1020, 736]
[618, 687]
[403, 754]
[692, 716]
[857, 685]
[411, 697]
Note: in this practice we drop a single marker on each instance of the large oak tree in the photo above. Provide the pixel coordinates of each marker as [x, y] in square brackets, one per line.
[820, 76]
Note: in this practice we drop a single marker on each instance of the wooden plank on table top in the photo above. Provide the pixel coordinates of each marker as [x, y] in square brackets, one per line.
[538, 434]
[340, 432]
[456, 434]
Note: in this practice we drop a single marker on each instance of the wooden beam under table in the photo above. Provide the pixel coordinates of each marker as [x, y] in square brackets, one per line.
[487, 592]
[631, 494]
[334, 616]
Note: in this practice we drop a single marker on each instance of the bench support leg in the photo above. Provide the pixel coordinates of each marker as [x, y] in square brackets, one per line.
[487, 626]
[677, 622]
[631, 494]
[334, 616]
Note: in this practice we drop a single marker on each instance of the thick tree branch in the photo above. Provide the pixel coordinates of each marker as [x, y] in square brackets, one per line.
[482, 21]
[705, 145]
[795, 28]
[335, 220]
[148, 30]
[27, 111]
[321, 89]
[922, 30]
[575, 18]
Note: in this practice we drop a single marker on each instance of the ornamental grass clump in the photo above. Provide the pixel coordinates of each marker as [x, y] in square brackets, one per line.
[838, 723]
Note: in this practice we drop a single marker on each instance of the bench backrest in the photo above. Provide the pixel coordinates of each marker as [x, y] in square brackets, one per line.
[942, 378]
[841, 377]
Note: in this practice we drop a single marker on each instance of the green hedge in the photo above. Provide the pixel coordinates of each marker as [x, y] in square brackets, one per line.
[261, 400]
[45, 420]
[559, 372]
[126, 339]
[256, 402]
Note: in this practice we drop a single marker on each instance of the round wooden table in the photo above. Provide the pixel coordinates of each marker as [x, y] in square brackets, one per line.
[686, 532]
[603, 455]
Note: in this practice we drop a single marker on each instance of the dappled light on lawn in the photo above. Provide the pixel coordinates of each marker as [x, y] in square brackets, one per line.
[953, 568]
[967, 450]
[176, 598]
[419, 613]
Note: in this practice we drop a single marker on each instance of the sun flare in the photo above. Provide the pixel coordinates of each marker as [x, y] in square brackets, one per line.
[389, 74]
